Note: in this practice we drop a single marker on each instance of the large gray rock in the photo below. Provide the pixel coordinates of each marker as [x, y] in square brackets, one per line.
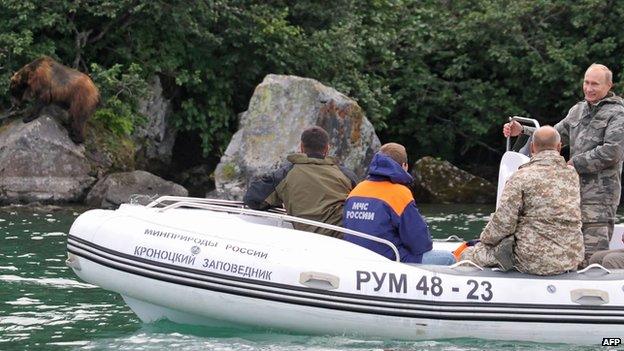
[118, 188]
[279, 110]
[440, 182]
[154, 140]
[40, 163]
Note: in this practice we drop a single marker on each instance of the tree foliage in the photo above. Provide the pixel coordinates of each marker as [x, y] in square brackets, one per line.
[438, 76]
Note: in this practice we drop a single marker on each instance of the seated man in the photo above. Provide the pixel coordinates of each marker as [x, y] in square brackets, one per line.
[312, 186]
[539, 216]
[383, 206]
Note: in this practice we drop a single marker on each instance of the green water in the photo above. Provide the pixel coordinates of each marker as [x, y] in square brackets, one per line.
[44, 306]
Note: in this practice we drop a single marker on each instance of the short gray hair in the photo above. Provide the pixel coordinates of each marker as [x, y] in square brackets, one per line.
[546, 138]
[605, 69]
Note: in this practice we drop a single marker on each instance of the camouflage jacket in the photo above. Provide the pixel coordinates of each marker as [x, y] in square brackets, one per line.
[540, 206]
[595, 134]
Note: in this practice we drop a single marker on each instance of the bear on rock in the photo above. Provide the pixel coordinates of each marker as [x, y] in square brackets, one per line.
[45, 82]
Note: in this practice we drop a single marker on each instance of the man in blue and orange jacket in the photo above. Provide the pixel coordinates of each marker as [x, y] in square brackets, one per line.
[383, 206]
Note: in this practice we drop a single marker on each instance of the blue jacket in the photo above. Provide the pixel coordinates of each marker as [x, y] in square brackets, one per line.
[383, 206]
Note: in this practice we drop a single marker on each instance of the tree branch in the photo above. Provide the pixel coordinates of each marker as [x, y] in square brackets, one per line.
[81, 41]
[121, 22]
[478, 142]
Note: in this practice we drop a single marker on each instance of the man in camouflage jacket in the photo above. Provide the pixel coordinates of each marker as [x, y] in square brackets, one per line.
[540, 210]
[594, 130]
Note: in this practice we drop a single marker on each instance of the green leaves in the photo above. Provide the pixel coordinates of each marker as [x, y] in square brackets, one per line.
[438, 76]
[120, 91]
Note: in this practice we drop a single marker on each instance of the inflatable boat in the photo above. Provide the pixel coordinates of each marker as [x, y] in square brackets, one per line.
[215, 263]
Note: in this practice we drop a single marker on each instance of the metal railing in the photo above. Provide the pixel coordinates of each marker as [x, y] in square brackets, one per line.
[450, 239]
[237, 207]
[163, 199]
[520, 120]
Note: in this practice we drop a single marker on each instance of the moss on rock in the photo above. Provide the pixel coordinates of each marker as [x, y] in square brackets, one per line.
[108, 151]
[229, 171]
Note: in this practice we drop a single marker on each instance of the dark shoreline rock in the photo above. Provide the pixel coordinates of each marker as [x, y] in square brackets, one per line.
[437, 181]
[118, 188]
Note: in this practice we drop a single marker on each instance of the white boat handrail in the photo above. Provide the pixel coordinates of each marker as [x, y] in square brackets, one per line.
[216, 205]
[202, 200]
[523, 120]
[594, 265]
[450, 238]
[465, 262]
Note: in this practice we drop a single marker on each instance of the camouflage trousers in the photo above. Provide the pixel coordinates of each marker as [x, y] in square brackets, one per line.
[612, 259]
[596, 237]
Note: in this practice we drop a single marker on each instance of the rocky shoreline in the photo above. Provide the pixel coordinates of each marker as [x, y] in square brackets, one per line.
[40, 164]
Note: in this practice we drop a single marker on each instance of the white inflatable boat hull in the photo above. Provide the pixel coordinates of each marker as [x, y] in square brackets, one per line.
[215, 268]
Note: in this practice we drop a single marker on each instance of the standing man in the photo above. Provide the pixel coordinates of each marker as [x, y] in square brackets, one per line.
[594, 130]
[311, 186]
[537, 226]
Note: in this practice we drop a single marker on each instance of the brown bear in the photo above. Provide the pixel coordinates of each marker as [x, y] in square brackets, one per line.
[46, 81]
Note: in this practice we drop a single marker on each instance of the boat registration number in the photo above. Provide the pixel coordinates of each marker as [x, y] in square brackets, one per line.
[471, 289]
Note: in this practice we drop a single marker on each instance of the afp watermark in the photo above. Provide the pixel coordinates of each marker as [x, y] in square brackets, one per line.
[611, 341]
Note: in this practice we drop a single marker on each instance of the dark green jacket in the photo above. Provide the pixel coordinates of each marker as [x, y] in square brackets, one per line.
[309, 187]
